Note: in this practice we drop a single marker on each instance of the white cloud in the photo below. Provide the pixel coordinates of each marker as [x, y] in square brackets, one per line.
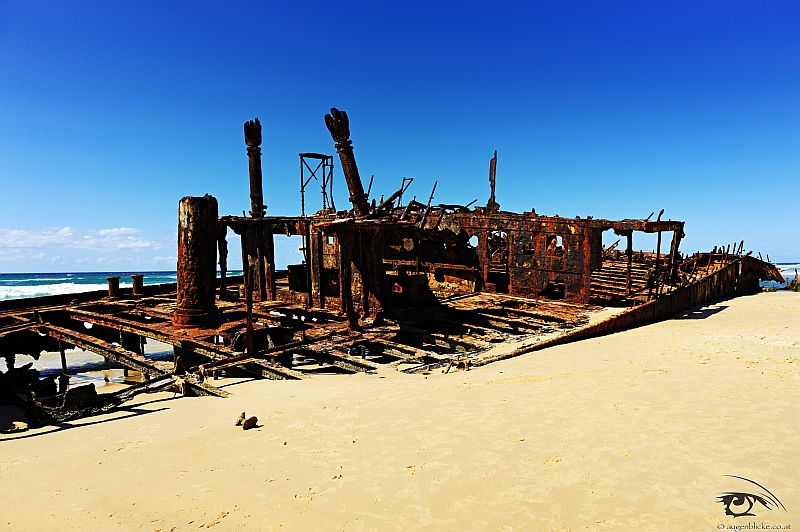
[112, 239]
[164, 260]
[118, 231]
[20, 238]
[9, 257]
[38, 256]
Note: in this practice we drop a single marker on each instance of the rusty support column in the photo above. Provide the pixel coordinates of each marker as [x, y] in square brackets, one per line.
[63, 379]
[245, 270]
[629, 255]
[252, 137]
[586, 272]
[247, 286]
[317, 268]
[673, 254]
[363, 271]
[307, 252]
[260, 263]
[267, 263]
[345, 240]
[197, 262]
[258, 257]
[63, 353]
[417, 245]
[222, 245]
[658, 266]
[248, 294]
[483, 257]
[375, 271]
[339, 126]
[250, 260]
[113, 286]
[137, 280]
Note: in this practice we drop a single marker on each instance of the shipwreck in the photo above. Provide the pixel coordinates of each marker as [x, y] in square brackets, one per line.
[413, 286]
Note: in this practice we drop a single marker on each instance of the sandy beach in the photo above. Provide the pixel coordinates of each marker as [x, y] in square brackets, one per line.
[633, 431]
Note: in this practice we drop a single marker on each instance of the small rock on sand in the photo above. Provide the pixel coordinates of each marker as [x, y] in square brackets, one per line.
[250, 422]
[240, 419]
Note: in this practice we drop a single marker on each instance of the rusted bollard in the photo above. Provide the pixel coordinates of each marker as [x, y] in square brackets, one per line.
[113, 286]
[197, 262]
[137, 279]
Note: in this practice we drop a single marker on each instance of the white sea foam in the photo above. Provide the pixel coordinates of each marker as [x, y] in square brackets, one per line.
[18, 292]
[37, 279]
[787, 270]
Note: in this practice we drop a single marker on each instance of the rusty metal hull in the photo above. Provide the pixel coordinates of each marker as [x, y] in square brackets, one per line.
[412, 287]
[724, 283]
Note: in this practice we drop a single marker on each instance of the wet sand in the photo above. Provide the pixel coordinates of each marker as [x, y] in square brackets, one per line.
[633, 431]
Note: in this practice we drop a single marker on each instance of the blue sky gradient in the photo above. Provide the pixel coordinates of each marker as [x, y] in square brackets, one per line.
[110, 112]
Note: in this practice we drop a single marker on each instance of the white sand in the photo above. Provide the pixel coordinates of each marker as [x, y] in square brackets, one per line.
[633, 431]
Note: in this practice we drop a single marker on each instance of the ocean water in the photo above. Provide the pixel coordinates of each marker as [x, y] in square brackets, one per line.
[21, 285]
[787, 270]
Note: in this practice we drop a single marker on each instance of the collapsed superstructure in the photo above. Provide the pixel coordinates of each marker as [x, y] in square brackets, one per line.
[415, 286]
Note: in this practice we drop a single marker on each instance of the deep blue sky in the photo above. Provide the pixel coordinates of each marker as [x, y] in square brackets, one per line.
[110, 112]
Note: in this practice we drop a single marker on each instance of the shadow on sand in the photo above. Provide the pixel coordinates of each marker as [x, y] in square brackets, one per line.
[132, 411]
[699, 313]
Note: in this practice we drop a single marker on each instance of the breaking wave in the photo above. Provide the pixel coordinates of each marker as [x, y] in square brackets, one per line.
[787, 270]
[19, 292]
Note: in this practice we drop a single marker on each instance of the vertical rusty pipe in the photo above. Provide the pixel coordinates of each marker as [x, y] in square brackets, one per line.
[339, 126]
[137, 280]
[252, 137]
[113, 286]
[197, 262]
